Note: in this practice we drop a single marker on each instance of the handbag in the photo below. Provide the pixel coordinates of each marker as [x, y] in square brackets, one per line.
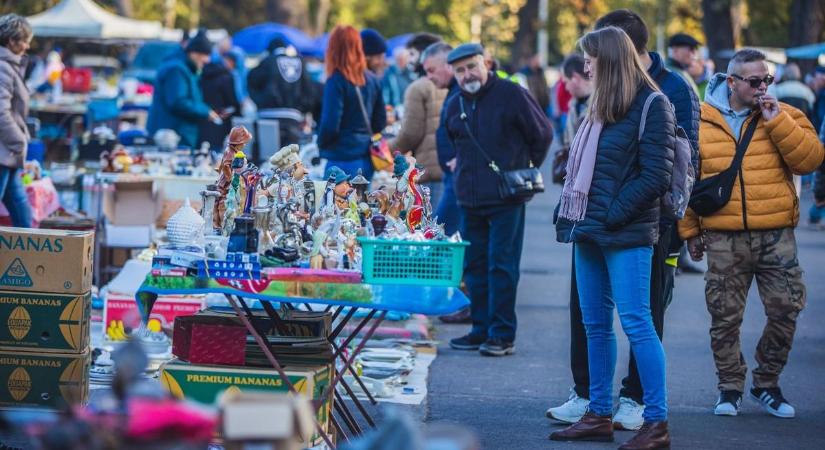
[380, 154]
[515, 184]
[713, 193]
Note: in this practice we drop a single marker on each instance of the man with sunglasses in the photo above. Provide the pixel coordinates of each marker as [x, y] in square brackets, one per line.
[753, 234]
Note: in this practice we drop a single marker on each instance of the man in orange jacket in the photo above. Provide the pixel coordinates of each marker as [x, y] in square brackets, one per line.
[753, 234]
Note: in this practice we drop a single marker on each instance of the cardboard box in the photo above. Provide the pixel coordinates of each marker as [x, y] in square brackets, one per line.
[121, 314]
[43, 380]
[55, 323]
[206, 384]
[55, 261]
[134, 202]
[289, 422]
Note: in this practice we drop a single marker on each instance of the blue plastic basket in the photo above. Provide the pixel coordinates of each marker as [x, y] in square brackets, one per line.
[429, 263]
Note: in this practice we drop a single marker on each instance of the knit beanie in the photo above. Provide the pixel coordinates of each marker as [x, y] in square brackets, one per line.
[373, 43]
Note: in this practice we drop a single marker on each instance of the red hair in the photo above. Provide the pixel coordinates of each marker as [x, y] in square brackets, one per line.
[345, 54]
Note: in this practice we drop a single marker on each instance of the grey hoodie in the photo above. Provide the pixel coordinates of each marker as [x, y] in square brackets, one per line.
[717, 95]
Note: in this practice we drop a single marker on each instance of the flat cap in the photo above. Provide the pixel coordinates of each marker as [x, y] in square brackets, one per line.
[464, 51]
[682, 40]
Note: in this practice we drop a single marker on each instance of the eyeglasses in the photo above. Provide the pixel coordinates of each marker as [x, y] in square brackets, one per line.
[755, 82]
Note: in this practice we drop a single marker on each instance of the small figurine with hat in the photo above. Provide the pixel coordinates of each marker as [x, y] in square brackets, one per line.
[239, 136]
[343, 187]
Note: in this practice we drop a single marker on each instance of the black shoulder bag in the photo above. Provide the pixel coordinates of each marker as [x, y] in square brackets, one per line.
[712, 194]
[516, 184]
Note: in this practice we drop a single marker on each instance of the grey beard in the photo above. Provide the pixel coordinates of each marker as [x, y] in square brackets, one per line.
[472, 86]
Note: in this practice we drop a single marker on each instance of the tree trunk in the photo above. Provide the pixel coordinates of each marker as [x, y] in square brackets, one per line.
[321, 16]
[125, 8]
[294, 13]
[807, 22]
[169, 14]
[194, 14]
[525, 45]
[721, 25]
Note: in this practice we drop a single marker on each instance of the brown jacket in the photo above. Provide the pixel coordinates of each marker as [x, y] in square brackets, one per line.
[14, 107]
[422, 109]
[781, 147]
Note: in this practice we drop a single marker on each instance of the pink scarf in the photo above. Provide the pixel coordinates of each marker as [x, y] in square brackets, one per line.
[580, 165]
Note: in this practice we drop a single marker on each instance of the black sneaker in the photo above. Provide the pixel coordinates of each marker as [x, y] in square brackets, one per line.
[728, 403]
[497, 347]
[773, 402]
[467, 342]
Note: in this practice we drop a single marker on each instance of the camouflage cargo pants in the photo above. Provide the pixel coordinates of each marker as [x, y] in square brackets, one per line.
[734, 258]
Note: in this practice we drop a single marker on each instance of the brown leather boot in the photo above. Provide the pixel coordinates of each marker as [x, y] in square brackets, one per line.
[652, 435]
[590, 428]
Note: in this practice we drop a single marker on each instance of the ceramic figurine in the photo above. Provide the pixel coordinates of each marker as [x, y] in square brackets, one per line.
[238, 138]
[342, 190]
[360, 184]
[185, 227]
[208, 199]
[286, 160]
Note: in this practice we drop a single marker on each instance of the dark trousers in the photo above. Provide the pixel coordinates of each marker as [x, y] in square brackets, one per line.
[491, 267]
[661, 292]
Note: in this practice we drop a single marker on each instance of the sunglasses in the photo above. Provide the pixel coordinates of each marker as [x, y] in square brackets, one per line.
[755, 82]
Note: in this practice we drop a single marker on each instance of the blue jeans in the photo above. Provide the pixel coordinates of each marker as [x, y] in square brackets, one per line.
[14, 198]
[620, 277]
[447, 210]
[351, 167]
[491, 268]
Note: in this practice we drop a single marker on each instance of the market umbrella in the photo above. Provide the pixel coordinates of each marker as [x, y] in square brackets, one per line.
[398, 41]
[255, 39]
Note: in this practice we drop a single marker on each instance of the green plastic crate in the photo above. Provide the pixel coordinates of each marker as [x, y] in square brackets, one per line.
[430, 263]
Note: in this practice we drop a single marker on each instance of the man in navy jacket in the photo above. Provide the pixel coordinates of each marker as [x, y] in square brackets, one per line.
[665, 252]
[506, 121]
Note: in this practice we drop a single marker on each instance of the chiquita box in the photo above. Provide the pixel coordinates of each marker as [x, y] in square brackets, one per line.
[37, 260]
[38, 322]
[43, 380]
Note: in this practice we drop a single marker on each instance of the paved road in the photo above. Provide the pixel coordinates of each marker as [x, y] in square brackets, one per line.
[503, 400]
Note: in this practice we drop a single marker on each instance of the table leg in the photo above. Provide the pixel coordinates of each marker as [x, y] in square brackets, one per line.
[264, 345]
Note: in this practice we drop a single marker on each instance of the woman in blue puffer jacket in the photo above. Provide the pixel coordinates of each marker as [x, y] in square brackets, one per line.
[609, 210]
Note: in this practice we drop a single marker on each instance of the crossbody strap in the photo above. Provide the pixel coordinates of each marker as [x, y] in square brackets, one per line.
[742, 145]
[463, 118]
[363, 109]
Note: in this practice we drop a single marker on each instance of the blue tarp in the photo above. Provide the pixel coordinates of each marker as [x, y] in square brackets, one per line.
[255, 39]
[806, 51]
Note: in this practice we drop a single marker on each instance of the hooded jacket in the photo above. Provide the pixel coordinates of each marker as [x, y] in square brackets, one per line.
[780, 147]
[422, 110]
[178, 102]
[14, 107]
[505, 119]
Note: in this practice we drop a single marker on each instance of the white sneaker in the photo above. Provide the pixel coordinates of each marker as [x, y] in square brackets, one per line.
[773, 402]
[728, 403]
[629, 415]
[571, 411]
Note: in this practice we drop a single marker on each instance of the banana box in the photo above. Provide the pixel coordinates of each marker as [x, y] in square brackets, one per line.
[206, 384]
[37, 260]
[43, 380]
[39, 322]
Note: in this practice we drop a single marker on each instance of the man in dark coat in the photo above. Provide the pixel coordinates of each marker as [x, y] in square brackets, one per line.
[177, 102]
[218, 87]
[665, 251]
[282, 89]
[506, 120]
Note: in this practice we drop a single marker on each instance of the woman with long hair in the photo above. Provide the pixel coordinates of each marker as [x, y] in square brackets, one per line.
[609, 210]
[352, 96]
[15, 37]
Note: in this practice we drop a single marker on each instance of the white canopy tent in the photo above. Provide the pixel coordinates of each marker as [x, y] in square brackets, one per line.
[83, 19]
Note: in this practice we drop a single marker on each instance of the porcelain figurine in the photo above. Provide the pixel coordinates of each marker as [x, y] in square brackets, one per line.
[238, 138]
